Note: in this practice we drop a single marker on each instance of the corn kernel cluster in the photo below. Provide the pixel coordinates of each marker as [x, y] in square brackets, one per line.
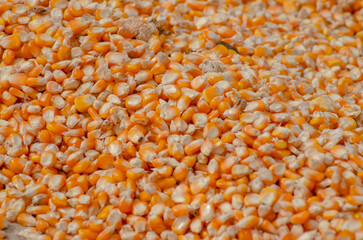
[182, 119]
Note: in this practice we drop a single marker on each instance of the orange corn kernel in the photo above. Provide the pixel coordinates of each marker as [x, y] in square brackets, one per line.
[12, 42]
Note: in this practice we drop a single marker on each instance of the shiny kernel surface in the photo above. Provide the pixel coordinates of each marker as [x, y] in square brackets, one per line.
[181, 119]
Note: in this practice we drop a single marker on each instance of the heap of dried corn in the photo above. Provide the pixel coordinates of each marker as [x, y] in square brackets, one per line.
[182, 119]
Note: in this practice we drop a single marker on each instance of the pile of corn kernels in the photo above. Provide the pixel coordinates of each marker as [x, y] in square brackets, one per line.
[182, 119]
